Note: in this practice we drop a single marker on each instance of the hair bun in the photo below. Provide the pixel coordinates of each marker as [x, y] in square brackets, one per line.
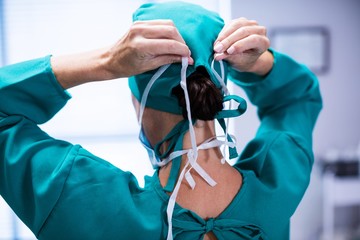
[206, 100]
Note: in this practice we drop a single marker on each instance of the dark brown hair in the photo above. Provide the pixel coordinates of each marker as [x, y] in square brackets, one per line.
[205, 98]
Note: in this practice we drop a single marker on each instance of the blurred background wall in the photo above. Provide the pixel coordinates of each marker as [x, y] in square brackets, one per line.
[337, 133]
[338, 125]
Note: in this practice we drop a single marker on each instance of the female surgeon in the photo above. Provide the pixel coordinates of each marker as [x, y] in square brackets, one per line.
[177, 56]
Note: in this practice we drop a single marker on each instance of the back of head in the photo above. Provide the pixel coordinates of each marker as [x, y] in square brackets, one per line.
[199, 28]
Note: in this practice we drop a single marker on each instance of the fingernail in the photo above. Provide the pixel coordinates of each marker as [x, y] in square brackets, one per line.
[218, 47]
[191, 60]
[230, 50]
[218, 56]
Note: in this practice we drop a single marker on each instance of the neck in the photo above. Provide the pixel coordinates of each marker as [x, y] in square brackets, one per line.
[203, 131]
[208, 159]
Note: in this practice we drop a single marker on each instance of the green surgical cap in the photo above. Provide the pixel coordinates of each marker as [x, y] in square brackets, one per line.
[199, 28]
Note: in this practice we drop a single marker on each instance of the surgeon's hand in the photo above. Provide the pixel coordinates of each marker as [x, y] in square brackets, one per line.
[146, 46]
[243, 43]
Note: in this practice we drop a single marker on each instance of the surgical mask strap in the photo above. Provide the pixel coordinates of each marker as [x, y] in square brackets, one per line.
[158, 73]
[180, 128]
[183, 85]
[192, 155]
[172, 201]
[221, 80]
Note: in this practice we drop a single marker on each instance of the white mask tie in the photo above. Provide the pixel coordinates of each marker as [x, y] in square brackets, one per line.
[158, 73]
[221, 80]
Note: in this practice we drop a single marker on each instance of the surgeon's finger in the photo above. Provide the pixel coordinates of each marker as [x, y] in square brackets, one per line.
[241, 33]
[233, 26]
[230, 28]
[156, 29]
[253, 45]
[163, 60]
[256, 43]
[158, 47]
[163, 31]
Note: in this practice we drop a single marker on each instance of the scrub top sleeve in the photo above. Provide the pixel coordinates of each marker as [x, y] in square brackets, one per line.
[33, 166]
[278, 169]
[30, 89]
[33, 169]
[288, 98]
[280, 156]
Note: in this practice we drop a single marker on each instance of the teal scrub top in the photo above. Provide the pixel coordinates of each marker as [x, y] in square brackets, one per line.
[62, 191]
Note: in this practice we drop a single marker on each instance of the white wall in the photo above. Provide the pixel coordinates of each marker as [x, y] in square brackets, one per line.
[338, 125]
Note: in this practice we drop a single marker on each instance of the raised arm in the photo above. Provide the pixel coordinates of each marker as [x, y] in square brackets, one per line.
[146, 46]
[280, 157]
[35, 167]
